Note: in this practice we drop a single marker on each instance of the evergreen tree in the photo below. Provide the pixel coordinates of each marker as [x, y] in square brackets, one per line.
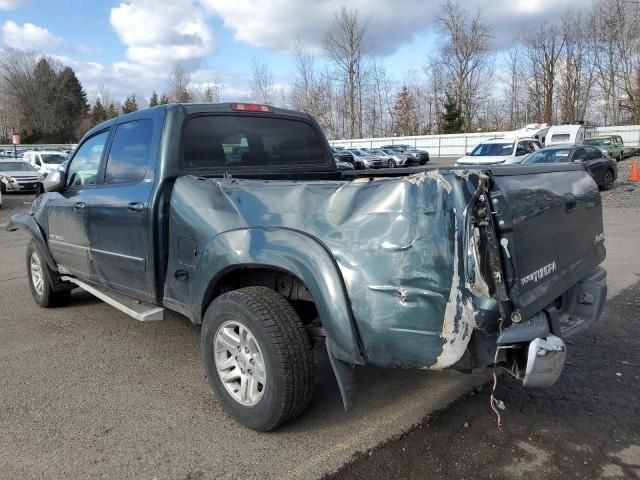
[452, 120]
[405, 113]
[153, 101]
[112, 111]
[72, 104]
[163, 100]
[98, 113]
[130, 105]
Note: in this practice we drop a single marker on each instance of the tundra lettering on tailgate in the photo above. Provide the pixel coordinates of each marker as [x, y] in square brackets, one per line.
[539, 274]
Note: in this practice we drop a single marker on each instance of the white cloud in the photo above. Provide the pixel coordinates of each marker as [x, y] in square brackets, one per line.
[11, 4]
[277, 23]
[163, 32]
[29, 36]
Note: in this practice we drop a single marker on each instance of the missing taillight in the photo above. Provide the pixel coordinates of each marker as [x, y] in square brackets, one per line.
[251, 107]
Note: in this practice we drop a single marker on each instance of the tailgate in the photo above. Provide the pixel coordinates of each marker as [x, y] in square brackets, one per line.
[551, 216]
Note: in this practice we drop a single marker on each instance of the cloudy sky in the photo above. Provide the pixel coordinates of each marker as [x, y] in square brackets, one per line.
[130, 46]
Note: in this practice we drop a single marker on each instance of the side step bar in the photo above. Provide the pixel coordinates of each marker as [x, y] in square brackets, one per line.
[145, 312]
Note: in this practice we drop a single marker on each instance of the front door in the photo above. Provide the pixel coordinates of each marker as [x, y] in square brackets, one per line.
[119, 211]
[67, 211]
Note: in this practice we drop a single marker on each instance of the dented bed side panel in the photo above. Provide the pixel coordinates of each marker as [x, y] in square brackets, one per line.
[398, 243]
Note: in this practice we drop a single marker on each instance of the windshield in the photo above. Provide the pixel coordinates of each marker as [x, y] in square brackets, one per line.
[492, 150]
[53, 158]
[16, 167]
[390, 152]
[599, 142]
[549, 156]
[357, 153]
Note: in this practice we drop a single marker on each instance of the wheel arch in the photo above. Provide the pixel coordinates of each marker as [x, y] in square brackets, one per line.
[25, 221]
[287, 252]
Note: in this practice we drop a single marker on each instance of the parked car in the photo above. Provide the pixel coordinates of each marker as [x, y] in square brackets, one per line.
[602, 168]
[19, 176]
[281, 249]
[569, 134]
[612, 145]
[364, 160]
[342, 165]
[421, 156]
[392, 158]
[500, 150]
[45, 161]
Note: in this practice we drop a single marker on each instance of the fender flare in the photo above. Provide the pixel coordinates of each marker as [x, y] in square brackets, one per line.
[25, 221]
[293, 252]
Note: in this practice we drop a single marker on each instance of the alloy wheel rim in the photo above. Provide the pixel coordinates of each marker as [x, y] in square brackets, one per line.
[240, 363]
[608, 179]
[36, 273]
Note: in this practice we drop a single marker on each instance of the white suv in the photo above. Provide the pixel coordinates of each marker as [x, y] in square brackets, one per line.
[45, 161]
[500, 150]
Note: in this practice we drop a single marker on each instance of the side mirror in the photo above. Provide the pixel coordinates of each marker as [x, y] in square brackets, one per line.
[55, 181]
[468, 153]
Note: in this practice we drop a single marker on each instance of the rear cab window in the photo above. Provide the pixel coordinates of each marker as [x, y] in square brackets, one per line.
[238, 141]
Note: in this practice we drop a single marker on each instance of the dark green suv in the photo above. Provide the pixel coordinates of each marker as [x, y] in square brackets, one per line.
[612, 145]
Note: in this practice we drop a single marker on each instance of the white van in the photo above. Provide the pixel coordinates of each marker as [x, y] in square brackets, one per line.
[532, 130]
[573, 134]
[45, 161]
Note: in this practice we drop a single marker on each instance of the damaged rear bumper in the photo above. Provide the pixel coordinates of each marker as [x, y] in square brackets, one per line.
[535, 349]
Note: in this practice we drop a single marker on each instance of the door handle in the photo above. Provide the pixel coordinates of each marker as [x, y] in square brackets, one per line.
[79, 205]
[136, 207]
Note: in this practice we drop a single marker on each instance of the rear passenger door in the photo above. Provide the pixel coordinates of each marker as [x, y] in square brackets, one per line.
[118, 227]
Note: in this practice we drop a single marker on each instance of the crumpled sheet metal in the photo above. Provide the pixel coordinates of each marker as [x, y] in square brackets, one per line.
[398, 242]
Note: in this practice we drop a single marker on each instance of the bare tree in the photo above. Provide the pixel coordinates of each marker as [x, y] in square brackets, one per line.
[543, 48]
[466, 57]
[605, 28]
[262, 89]
[178, 85]
[344, 43]
[577, 68]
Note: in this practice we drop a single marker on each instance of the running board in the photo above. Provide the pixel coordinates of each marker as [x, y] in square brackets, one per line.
[145, 312]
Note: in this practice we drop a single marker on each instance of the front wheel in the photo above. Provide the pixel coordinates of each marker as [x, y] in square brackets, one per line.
[391, 163]
[40, 278]
[257, 357]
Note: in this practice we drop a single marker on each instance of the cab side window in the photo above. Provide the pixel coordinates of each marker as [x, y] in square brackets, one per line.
[129, 152]
[83, 169]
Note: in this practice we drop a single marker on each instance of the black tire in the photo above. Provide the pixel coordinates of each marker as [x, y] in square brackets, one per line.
[3, 188]
[608, 180]
[391, 163]
[47, 297]
[285, 347]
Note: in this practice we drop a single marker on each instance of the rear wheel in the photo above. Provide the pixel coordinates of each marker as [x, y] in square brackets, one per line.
[607, 183]
[257, 357]
[40, 276]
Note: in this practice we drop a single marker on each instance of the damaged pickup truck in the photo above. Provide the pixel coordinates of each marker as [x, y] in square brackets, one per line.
[235, 216]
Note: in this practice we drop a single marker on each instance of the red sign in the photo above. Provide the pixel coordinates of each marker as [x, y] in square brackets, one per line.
[15, 139]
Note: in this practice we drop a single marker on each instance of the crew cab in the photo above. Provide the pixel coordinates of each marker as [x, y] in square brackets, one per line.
[235, 216]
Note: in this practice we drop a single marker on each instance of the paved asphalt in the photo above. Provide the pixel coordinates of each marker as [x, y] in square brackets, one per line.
[87, 392]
